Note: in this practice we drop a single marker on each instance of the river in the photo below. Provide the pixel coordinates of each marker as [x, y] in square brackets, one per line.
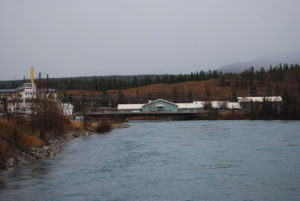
[169, 160]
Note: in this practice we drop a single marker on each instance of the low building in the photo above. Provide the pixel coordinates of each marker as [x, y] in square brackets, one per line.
[21, 99]
[235, 106]
[259, 99]
[222, 106]
[161, 105]
[11, 93]
[67, 109]
[195, 106]
[219, 105]
[130, 107]
[24, 103]
[246, 102]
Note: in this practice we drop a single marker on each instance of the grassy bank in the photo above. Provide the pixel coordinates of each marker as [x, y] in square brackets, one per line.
[19, 133]
[19, 145]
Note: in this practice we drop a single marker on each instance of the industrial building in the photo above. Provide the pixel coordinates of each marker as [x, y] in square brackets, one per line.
[20, 99]
[161, 105]
[246, 102]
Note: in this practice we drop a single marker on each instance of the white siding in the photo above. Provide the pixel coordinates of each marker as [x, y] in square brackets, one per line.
[130, 106]
[260, 99]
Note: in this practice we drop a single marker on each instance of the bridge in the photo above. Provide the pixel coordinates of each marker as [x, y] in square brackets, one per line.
[145, 115]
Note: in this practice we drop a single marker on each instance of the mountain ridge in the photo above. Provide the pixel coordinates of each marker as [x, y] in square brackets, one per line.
[266, 62]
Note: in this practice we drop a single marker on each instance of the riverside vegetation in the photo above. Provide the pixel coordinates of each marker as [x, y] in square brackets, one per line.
[41, 134]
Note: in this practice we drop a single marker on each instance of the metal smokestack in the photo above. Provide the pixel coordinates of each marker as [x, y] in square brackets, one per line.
[32, 75]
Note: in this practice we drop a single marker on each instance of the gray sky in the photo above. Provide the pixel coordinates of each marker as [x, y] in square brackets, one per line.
[104, 37]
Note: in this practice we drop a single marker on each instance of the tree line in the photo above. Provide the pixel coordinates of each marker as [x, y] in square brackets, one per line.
[249, 77]
[102, 83]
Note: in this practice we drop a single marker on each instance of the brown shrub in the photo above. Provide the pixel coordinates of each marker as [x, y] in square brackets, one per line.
[9, 131]
[104, 126]
[47, 118]
[13, 137]
[6, 149]
[30, 141]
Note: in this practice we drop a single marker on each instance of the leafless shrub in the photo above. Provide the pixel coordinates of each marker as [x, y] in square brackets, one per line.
[104, 126]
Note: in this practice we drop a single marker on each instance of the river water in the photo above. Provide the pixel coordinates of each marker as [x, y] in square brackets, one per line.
[176, 160]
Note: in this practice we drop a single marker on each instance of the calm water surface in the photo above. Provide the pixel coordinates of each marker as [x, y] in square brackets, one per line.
[179, 160]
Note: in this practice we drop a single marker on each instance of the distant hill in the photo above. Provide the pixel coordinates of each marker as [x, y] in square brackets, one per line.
[289, 58]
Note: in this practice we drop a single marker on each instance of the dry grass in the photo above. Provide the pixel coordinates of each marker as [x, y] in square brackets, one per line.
[5, 149]
[31, 141]
[7, 129]
[75, 125]
[13, 137]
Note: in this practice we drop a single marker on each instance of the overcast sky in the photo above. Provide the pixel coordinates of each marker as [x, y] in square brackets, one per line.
[104, 37]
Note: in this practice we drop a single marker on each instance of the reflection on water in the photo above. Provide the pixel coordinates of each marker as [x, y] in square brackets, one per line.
[182, 160]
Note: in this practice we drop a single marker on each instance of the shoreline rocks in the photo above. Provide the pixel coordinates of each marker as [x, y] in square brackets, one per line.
[53, 147]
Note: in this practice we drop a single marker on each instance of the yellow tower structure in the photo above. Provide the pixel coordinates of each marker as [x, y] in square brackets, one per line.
[32, 75]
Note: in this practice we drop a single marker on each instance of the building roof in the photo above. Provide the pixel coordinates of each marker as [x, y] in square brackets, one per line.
[150, 102]
[21, 88]
[12, 90]
[49, 90]
[130, 106]
[260, 99]
[195, 104]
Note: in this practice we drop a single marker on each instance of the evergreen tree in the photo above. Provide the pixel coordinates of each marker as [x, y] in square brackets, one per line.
[134, 82]
[285, 105]
[149, 96]
[243, 82]
[236, 82]
[207, 91]
[253, 90]
[121, 97]
[269, 89]
[190, 96]
[277, 90]
[175, 95]
[157, 79]
[252, 111]
[105, 98]
[234, 96]
[223, 81]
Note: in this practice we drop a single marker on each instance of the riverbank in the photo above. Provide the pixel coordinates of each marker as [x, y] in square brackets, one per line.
[54, 146]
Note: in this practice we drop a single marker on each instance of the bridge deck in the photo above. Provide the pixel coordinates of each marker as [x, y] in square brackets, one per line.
[124, 115]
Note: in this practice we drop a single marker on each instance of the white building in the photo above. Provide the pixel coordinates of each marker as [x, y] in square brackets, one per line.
[260, 99]
[67, 109]
[21, 98]
[246, 102]
[234, 106]
[29, 91]
[130, 107]
[24, 104]
[195, 106]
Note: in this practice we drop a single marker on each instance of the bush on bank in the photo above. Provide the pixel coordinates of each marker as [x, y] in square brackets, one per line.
[104, 126]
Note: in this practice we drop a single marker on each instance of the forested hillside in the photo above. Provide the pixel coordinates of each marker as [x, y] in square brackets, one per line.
[246, 78]
[281, 80]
